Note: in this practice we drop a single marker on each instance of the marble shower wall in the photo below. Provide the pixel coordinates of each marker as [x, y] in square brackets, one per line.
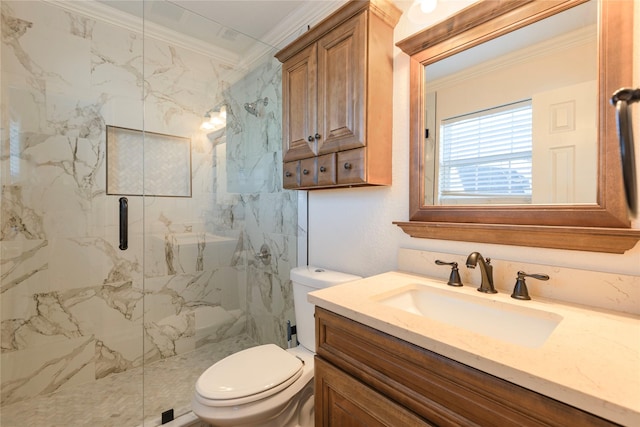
[73, 307]
[254, 165]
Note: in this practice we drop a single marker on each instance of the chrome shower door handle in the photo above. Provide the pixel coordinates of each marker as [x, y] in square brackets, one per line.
[124, 223]
[621, 100]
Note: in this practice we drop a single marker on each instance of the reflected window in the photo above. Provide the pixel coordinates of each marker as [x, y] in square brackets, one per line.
[485, 156]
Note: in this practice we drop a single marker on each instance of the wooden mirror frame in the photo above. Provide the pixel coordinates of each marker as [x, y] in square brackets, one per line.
[600, 227]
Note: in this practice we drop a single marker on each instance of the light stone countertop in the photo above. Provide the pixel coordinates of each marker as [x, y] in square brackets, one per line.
[591, 360]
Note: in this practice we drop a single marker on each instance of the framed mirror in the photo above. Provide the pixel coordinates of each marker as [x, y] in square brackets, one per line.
[524, 209]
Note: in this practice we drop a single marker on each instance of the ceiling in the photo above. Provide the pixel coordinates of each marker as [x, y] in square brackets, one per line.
[229, 30]
[253, 18]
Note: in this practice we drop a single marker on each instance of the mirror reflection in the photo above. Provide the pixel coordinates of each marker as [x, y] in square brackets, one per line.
[514, 120]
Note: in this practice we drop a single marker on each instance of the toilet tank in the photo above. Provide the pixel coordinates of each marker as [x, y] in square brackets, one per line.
[307, 279]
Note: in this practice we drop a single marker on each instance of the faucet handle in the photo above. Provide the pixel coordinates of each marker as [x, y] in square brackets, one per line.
[520, 290]
[454, 277]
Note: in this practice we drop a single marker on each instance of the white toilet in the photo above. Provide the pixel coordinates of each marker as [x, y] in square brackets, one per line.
[266, 385]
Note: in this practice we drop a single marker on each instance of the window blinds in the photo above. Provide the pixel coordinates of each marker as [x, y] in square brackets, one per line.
[487, 154]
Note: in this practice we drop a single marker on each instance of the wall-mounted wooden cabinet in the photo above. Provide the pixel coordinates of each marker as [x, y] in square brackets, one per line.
[337, 82]
[366, 377]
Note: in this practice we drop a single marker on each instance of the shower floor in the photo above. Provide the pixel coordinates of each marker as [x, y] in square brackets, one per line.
[116, 400]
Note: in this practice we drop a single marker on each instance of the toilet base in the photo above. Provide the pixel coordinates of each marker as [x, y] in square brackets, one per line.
[292, 407]
[297, 412]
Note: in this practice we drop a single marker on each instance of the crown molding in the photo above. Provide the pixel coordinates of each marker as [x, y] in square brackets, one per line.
[112, 16]
[297, 23]
[286, 31]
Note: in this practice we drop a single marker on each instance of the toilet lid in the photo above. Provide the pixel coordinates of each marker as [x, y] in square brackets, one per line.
[248, 372]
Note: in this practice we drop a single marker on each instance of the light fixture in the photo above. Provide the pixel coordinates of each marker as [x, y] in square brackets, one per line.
[420, 8]
[215, 118]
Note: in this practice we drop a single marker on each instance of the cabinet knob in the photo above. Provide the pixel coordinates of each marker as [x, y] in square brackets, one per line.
[287, 174]
[317, 136]
[305, 171]
[310, 139]
[347, 165]
[323, 169]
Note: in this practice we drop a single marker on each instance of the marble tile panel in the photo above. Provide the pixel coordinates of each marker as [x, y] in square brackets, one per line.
[172, 335]
[20, 220]
[193, 252]
[114, 315]
[81, 262]
[116, 68]
[269, 293]
[176, 72]
[213, 324]
[44, 369]
[48, 61]
[283, 218]
[119, 354]
[24, 271]
[124, 111]
[173, 294]
[27, 120]
[220, 288]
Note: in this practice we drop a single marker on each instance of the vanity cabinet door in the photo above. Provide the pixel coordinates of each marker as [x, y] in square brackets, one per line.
[343, 401]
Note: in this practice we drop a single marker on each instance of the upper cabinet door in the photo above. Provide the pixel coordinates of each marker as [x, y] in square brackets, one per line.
[341, 86]
[299, 105]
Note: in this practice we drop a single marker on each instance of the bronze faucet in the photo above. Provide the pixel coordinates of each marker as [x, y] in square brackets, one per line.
[486, 272]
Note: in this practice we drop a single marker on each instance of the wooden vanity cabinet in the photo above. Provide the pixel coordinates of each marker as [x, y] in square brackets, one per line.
[364, 377]
[337, 95]
[348, 402]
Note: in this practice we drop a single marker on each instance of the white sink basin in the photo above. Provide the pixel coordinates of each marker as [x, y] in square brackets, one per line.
[512, 323]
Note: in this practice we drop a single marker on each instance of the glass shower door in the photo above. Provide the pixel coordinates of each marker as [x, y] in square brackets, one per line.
[216, 90]
[101, 107]
[195, 263]
[70, 297]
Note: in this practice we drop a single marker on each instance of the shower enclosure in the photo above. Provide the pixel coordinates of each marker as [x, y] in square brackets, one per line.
[101, 108]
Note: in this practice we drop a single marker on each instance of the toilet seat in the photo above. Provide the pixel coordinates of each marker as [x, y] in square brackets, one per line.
[247, 376]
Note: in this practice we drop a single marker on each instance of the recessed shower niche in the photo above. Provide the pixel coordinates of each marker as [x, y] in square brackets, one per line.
[147, 163]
